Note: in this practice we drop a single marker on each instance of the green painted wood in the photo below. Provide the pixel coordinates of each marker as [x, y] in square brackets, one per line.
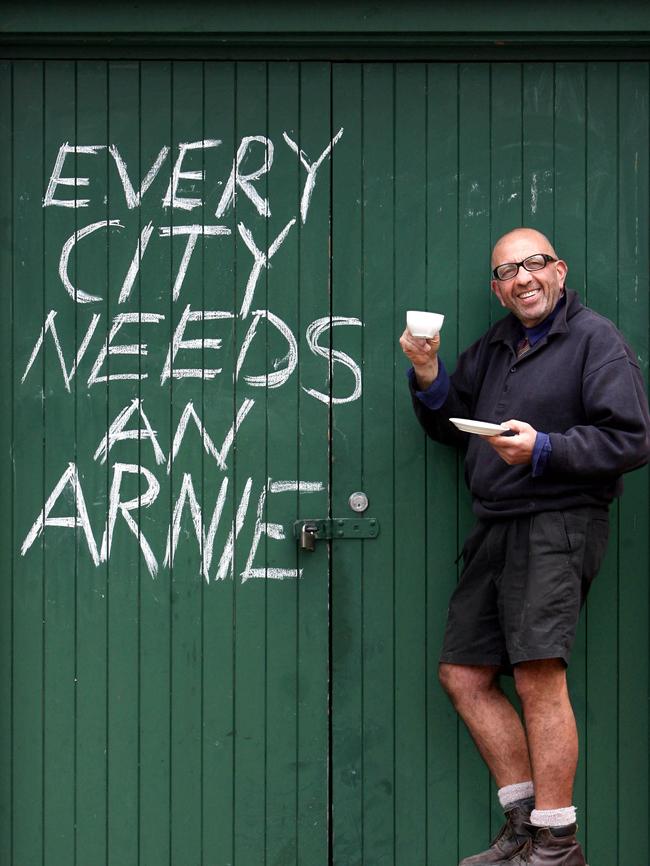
[151, 294]
[410, 274]
[313, 778]
[601, 272]
[349, 843]
[188, 123]
[6, 472]
[378, 580]
[91, 411]
[250, 625]
[123, 595]
[442, 480]
[59, 572]
[219, 407]
[505, 154]
[283, 419]
[240, 714]
[633, 268]
[339, 19]
[27, 807]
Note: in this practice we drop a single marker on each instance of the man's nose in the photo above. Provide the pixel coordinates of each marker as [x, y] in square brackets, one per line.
[523, 277]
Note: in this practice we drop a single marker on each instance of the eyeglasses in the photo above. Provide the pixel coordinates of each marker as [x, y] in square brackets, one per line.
[532, 263]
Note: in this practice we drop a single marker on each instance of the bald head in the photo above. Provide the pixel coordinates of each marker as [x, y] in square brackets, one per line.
[521, 238]
[530, 293]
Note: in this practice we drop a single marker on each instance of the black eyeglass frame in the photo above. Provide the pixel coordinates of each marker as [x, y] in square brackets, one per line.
[521, 264]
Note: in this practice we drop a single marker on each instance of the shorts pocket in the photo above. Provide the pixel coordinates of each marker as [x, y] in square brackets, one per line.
[549, 534]
[595, 548]
[575, 528]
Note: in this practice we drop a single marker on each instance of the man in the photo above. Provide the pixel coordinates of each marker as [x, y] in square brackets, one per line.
[572, 395]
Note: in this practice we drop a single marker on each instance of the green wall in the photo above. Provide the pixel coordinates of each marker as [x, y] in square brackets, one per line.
[177, 682]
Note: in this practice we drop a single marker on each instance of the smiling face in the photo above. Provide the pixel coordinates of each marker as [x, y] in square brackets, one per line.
[530, 295]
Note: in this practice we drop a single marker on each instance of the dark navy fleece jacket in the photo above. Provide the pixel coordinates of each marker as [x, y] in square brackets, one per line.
[580, 383]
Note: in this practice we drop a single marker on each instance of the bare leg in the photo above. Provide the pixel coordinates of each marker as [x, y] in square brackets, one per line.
[551, 730]
[491, 720]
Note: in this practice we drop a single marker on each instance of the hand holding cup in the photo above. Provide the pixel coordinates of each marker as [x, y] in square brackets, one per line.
[420, 343]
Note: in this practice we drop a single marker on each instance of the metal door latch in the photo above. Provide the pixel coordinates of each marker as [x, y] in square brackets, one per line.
[308, 532]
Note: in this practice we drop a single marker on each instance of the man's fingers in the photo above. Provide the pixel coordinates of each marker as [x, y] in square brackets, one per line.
[514, 425]
[517, 448]
[417, 349]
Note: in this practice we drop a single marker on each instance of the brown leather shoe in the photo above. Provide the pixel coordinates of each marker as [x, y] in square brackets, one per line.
[509, 839]
[545, 849]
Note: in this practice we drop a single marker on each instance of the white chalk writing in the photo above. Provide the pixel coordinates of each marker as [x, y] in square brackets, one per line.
[243, 343]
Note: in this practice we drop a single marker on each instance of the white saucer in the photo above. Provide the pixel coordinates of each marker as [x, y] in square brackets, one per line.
[481, 428]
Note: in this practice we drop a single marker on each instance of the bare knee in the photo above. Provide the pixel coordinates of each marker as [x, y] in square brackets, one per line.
[466, 682]
[540, 680]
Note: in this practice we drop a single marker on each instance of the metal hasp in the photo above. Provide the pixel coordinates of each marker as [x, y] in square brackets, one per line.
[310, 531]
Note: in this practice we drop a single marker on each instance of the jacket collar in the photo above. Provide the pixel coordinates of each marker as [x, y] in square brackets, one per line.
[509, 329]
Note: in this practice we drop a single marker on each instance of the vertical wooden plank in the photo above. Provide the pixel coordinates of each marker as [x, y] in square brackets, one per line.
[152, 294]
[6, 464]
[506, 151]
[27, 491]
[314, 624]
[538, 130]
[601, 291]
[381, 367]
[186, 584]
[59, 444]
[347, 472]
[91, 409]
[250, 463]
[219, 410]
[283, 190]
[473, 319]
[124, 554]
[441, 462]
[633, 269]
[570, 169]
[410, 510]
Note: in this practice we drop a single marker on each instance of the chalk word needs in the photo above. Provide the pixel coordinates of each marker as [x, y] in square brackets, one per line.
[274, 378]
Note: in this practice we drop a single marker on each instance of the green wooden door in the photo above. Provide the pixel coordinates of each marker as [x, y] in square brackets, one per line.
[438, 161]
[200, 347]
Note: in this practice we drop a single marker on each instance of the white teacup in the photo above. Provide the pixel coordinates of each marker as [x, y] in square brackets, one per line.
[423, 324]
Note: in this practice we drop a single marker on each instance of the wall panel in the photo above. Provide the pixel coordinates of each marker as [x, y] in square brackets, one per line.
[200, 344]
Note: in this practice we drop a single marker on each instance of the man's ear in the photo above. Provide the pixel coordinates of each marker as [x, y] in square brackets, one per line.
[562, 269]
[496, 288]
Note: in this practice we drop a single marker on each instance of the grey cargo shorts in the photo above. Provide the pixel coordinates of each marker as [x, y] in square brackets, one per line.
[523, 582]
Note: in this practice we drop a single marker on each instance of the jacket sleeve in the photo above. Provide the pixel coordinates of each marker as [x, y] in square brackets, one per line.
[616, 435]
[464, 383]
